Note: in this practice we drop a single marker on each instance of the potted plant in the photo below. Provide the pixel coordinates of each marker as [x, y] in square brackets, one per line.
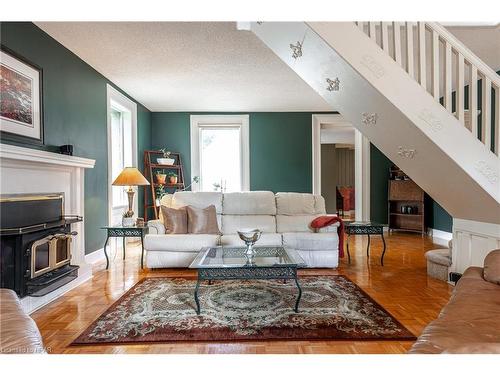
[166, 159]
[127, 219]
[161, 176]
[172, 177]
[160, 192]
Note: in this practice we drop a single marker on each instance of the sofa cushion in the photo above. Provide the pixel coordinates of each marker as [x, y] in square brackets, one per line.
[170, 259]
[295, 204]
[266, 239]
[197, 199]
[175, 220]
[320, 258]
[295, 223]
[249, 203]
[179, 242]
[311, 241]
[233, 223]
[491, 269]
[202, 220]
[319, 205]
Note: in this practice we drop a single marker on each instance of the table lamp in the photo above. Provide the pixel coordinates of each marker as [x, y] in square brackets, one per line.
[130, 176]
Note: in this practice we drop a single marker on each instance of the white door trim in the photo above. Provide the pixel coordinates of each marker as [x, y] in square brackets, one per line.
[119, 99]
[243, 121]
[362, 162]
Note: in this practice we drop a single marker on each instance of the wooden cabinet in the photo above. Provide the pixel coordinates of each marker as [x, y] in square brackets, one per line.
[406, 203]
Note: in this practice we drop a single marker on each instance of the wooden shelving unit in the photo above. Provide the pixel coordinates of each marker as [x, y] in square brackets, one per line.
[151, 165]
[403, 192]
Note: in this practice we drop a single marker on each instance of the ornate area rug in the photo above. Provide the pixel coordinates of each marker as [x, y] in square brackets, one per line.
[163, 310]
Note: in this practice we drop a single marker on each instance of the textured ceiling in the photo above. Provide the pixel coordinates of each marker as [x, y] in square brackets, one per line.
[207, 66]
[188, 66]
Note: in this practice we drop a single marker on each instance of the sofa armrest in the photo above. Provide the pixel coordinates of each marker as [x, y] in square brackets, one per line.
[156, 227]
[329, 229]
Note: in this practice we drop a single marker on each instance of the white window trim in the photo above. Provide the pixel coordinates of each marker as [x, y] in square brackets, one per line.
[241, 121]
[361, 161]
[120, 100]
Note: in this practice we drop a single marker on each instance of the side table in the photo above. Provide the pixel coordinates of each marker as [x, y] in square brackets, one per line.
[124, 232]
[365, 228]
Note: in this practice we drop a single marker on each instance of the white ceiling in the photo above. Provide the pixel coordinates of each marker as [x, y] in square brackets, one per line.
[206, 66]
[188, 66]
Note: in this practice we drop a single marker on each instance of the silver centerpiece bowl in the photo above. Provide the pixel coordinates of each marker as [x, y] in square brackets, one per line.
[250, 237]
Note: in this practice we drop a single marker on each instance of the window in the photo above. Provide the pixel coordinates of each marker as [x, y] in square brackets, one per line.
[219, 153]
[122, 149]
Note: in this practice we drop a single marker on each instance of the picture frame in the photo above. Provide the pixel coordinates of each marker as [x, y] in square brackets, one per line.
[21, 99]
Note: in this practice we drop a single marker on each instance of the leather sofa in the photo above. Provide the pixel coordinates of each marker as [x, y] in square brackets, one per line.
[470, 322]
[283, 218]
[18, 332]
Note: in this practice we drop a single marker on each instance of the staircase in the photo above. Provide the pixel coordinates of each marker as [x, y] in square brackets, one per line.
[416, 92]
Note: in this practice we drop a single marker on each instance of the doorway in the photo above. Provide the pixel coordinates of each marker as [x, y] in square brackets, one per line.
[341, 167]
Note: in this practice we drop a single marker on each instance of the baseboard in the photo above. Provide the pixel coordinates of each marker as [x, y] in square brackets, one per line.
[95, 256]
[440, 237]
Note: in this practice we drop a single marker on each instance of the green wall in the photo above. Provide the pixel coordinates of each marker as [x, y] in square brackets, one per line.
[74, 103]
[280, 147]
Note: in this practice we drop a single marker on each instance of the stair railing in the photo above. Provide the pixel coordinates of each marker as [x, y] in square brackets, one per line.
[467, 87]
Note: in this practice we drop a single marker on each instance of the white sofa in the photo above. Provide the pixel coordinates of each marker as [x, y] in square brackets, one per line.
[283, 218]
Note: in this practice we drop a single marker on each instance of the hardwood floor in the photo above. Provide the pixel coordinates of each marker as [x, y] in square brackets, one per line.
[401, 286]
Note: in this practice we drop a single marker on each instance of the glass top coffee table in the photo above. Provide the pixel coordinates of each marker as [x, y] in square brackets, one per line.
[231, 263]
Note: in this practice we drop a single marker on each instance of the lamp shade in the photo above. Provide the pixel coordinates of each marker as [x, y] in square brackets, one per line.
[130, 176]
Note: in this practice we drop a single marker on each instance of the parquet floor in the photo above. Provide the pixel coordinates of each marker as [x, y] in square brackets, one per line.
[401, 286]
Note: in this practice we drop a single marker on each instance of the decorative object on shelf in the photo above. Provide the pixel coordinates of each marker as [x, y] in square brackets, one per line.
[333, 85]
[406, 153]
[166, 159]
[139, 222]
[250, 237]
[21, 108]
[130, 176]
[159, 188]
[296, 49]
[369, 118]
[66, 150]
[406, 203]
[172, 177]
[161, 177]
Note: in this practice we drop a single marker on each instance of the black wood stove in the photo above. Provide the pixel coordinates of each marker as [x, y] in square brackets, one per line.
[36, 243]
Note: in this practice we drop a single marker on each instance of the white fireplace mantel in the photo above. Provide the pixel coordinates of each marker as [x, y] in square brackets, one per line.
[26, 170]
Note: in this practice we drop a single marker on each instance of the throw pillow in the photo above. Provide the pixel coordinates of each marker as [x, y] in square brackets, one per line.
[202, 220]
[491, 271]
[175, 220]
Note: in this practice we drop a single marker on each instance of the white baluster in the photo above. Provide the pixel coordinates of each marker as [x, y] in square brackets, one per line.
[447, 76]
[385, 36]
[421, 55]
[497, 120]
[409, 49]
[396, 26]
[459, 92]
[361, 26]
[473, 100]
[435, 65]
[486, 112]
[373, 32]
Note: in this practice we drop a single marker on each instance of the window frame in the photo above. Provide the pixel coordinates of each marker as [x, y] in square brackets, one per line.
[115, 100]
[221, 121]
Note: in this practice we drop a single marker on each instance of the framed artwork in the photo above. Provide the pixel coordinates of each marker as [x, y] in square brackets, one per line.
[21, 115]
